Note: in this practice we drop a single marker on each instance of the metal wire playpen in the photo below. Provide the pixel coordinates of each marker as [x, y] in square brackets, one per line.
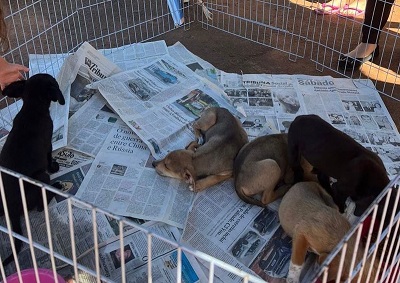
[60, 26]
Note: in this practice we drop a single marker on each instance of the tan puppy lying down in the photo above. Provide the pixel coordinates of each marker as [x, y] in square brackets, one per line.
[308, 214]
[262, 167]
[203, 166]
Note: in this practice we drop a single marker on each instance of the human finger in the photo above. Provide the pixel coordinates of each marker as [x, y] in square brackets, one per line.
[21, 76]
[21, 68]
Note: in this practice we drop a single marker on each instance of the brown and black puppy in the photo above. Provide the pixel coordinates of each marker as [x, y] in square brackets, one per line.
[28, 147]
[205, 165]
[359, 172]
[309, 215]
[262, 167]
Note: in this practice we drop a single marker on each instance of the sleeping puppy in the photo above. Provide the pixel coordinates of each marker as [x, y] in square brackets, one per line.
[262, 167]
[28, 148]
[359, 172]
[309, 215]
[205, 165]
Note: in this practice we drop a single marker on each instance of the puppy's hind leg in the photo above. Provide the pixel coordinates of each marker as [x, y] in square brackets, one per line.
[271, 174]
[300, 246]
[206, 121]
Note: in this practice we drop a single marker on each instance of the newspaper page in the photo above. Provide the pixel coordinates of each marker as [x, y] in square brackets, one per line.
[123, 180]
[201, 67]
[243, 235]
[135, 252]
[126, 57]
[270, 101]
[90, 125]
[136, 55]
[160, 101]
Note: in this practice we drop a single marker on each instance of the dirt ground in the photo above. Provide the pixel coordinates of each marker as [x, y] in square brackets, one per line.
[234, 54]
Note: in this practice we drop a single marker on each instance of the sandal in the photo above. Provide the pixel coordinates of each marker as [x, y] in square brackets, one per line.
[328, 9]
[354, 12]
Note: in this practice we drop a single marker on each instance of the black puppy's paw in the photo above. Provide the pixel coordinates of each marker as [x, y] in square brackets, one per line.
[53, 167]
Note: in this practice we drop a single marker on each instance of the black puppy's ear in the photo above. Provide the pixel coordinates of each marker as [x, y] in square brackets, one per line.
[56, 95]
[15, 89]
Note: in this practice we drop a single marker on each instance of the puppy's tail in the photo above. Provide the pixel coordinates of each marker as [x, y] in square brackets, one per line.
[248, 199]
[16, 227]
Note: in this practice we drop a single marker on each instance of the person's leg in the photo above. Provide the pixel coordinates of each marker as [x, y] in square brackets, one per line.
[376, 16]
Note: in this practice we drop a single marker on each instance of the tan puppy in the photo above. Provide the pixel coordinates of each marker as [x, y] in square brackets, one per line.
[262, 167]
[309, 215]
[203, 166]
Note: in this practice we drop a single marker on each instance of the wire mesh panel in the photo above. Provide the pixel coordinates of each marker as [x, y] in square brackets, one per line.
[265, 22]
[293, 27]
[65, 238]
[56, 27]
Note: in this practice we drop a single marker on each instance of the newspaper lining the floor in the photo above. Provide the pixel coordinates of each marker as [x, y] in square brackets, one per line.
[108, 161]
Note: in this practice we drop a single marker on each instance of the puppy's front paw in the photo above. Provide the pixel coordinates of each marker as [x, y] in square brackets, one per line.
[294, 273]
[53, 167]
[192, 188]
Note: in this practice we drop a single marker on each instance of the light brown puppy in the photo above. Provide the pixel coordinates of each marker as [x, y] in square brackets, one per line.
[309, 215]
[203, 166]
[262, 167]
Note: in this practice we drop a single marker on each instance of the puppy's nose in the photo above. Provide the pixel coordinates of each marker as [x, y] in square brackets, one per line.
[154, 163]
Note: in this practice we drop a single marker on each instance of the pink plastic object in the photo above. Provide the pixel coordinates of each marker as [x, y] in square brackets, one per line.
[28, 276]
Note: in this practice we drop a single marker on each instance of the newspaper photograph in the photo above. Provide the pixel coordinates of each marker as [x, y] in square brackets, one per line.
[160, 101]
[123, 180]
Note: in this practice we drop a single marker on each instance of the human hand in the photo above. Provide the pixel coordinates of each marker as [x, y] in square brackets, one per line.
[10, 72]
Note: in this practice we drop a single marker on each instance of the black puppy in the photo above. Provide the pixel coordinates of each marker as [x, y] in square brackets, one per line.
[359, 172]
[28, 147]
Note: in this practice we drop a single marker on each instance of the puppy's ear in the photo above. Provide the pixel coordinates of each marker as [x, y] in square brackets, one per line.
[15, 89]
[56, 95]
